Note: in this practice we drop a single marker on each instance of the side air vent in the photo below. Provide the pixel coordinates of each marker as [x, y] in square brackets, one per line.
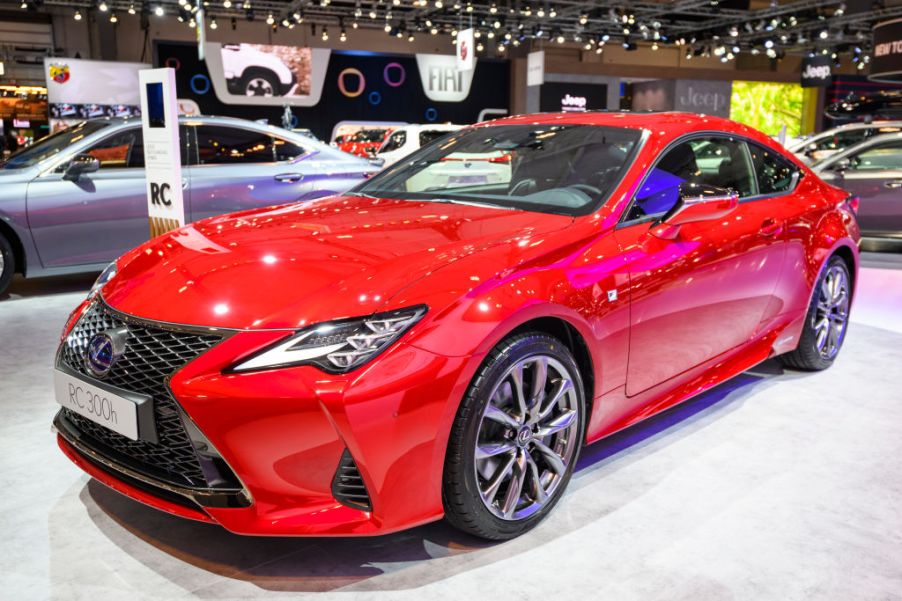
[348, 487]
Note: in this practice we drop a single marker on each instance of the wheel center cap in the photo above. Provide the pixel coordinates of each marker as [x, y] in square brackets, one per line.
[524, 436]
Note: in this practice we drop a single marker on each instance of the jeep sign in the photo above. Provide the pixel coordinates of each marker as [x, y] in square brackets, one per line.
[817, 71]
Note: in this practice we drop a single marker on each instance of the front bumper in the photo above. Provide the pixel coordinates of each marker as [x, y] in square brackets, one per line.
[284, 433]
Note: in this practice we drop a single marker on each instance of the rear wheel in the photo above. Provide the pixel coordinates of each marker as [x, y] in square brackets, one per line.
[7, 264]
[826, 322]
[258, 82]
[516, 438]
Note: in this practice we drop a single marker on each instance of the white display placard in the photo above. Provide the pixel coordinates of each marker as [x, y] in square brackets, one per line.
[466, 50]
[535, 68]
[162, 159]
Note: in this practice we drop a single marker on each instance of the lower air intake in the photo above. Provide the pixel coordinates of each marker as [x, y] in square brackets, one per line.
[348, 487]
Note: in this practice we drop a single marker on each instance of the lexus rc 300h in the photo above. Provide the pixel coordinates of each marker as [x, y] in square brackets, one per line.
[371, 361]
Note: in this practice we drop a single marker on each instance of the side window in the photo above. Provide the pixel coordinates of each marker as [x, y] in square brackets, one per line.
[218, 145]
[883, 157]
[842, 139]
[428, 136]
[775, 173]
[714, 161]
[120, 151]
[394, 142]
[287, 151]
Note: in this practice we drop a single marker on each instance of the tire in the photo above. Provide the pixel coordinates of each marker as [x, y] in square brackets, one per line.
[829, 301]
[259, 82]
[478, 492]
[7, 264]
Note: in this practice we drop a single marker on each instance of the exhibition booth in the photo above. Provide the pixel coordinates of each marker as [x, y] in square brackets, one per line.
[393, 299]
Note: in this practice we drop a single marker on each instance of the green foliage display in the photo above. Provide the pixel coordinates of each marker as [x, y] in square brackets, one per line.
[768, 106]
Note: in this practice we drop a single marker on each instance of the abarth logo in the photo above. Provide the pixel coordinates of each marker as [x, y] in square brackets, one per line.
[59, 72]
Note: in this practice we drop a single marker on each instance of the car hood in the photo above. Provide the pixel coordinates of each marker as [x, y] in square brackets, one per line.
[294, 265]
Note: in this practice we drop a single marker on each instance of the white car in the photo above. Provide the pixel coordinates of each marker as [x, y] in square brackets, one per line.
[409, 138]
[252, 72]
[827, 143]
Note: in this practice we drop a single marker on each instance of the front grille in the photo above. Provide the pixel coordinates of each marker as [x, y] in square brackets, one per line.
[153, 353]
[348, 487]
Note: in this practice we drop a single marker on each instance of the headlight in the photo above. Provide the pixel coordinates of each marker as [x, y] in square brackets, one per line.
[105, 276]
[339, 346]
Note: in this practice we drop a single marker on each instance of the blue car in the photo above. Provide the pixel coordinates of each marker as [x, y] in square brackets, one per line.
[75, 200]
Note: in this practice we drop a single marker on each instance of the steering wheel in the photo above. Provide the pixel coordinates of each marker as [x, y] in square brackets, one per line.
[589, 190]
[523, 187]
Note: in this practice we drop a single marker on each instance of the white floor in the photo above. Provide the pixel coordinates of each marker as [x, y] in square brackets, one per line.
[776, 486]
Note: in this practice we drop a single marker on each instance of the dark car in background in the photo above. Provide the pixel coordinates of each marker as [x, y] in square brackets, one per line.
[872, 171]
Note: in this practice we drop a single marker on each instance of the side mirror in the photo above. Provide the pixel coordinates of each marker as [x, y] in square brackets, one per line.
[377, 161]
[841, 165]
[79, 165]
[698, 202]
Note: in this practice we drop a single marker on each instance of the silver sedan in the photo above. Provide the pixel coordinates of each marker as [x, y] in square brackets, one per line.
[75, 200]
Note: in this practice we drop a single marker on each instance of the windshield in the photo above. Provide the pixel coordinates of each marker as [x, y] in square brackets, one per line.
[369, 135]
[51, 145]
[569, 169]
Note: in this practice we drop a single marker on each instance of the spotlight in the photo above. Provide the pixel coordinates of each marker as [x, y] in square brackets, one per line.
[824, 34]
[410, 37]
[270, 19]
[114, 18]
[227, 3]
[102, 7]
[158, 11]
[583, 19]
[77, 15]
[552, 13]
[325, 36]
[213, 23]
[654, 46]
[131, 9]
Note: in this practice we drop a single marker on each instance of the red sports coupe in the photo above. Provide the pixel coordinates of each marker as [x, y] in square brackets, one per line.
[429, 346]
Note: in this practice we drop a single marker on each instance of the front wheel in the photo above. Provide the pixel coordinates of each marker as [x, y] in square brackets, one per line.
[7, 264]
[515, 439]
[826, 321]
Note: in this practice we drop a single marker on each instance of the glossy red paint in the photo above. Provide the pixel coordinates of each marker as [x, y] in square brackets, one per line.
[689, 312]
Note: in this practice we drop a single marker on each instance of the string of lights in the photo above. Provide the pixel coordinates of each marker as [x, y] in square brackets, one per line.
[696, 27]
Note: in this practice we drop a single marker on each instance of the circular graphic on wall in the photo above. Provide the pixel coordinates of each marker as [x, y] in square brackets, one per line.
[375, 98]
[200, 84]
[173, 63]
[431, 114]
[361, 82]
[399, 74]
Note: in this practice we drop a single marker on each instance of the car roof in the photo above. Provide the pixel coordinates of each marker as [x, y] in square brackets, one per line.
[668, 124]
[863, 125]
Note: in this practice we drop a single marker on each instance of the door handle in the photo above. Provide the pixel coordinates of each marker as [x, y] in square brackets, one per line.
[184, 183]
[771, 227]
[896, 183]
[289, 178]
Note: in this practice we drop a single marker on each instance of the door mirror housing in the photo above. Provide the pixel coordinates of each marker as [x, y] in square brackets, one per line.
[841, 166]
[79, 165]
[698, 202]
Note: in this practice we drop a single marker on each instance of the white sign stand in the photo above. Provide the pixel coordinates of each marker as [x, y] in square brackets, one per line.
[466, 50]
[162, 157]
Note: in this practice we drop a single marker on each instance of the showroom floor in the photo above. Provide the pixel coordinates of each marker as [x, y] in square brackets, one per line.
[775, 486]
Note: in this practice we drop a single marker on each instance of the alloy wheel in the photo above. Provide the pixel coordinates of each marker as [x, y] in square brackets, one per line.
[832, 313]
[259, 86]
[527, 437]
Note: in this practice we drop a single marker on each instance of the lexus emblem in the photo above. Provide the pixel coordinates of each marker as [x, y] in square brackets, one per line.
[104, 349]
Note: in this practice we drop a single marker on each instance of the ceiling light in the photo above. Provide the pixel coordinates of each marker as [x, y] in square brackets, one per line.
[114, 18]
[213, 23]
[102, 7]
[158, 11]
[77, 15]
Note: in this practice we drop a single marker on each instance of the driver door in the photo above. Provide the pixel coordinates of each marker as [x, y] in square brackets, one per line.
[98, 217]
[704, 292]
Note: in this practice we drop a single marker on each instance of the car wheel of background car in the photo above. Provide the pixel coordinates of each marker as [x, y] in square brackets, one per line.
[515, 439]
[7, 264]
[259, 82]
[826, 321]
